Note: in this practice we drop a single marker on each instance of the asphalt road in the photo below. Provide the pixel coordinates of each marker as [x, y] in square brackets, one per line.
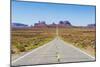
[56, 51]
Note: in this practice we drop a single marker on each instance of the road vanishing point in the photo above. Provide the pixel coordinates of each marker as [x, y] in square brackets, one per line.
[56, 51]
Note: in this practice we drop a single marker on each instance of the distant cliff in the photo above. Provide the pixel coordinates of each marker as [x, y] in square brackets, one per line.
[91, 25]
[42, 24]
[18, 25]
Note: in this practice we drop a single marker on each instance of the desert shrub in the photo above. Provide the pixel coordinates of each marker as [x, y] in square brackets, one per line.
[20, 47]
[81, 37]
[28, 39]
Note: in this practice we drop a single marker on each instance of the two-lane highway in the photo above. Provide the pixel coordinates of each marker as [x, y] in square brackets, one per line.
[56, 51]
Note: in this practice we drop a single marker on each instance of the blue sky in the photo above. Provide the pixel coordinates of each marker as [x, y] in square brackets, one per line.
[30, 13]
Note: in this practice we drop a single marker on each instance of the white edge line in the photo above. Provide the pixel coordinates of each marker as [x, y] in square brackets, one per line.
[46, 45]
[78, 49]
[31, 52]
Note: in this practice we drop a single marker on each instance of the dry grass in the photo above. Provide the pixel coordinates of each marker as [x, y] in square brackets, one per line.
[83, 38]
[23, 40]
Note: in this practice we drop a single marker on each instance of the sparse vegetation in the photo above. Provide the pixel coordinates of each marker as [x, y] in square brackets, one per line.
[26, 39]
[83, 38]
